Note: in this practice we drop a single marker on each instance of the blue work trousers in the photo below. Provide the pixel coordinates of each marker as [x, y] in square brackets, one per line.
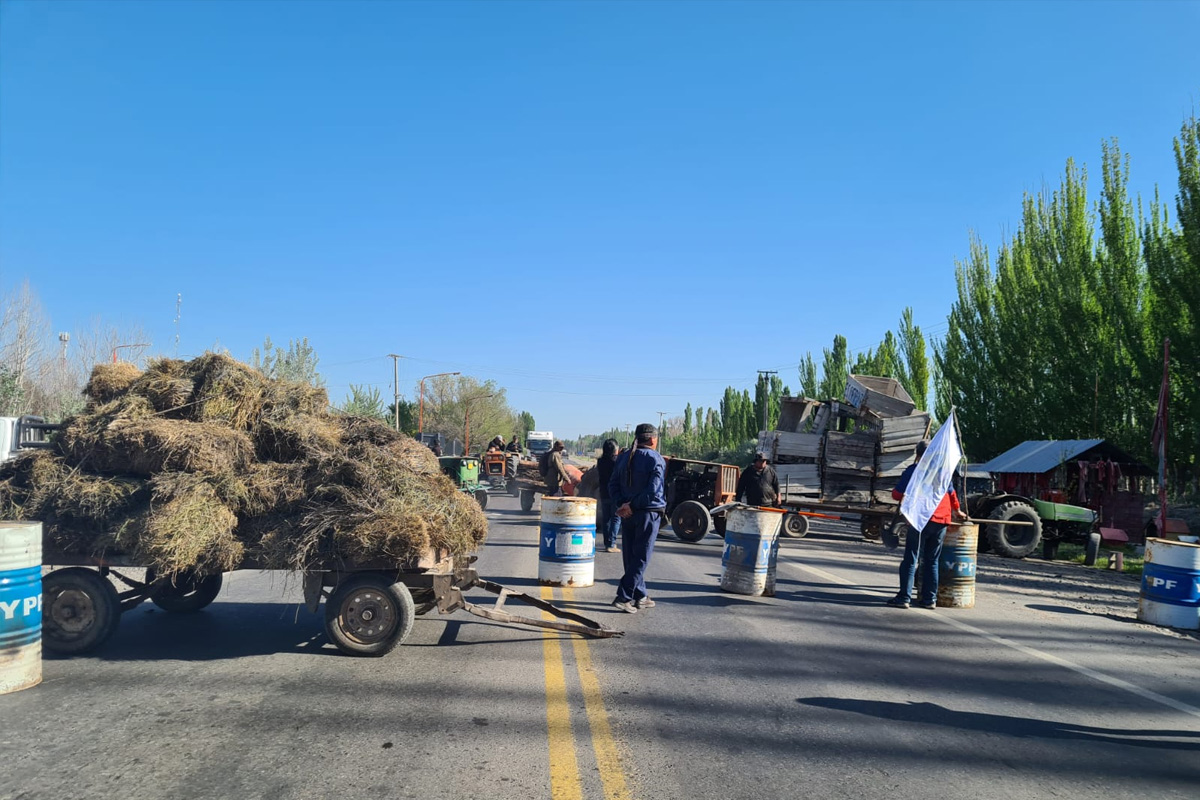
[638, 534]
[608, 524]
[925, 549]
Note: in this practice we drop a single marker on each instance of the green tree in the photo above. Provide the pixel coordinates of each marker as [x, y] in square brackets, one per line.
[364, 401]
[808, 377]
[297, 363]
[835, 368]
[914, 360]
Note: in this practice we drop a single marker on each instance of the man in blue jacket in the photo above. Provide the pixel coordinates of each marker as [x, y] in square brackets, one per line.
[636, 489]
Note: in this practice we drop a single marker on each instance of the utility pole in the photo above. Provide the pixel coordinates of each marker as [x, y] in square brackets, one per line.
[396, 385]
[766, 394]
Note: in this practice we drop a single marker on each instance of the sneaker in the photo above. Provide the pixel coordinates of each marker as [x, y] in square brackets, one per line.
[614, 549]
[625, 605]
[645, 602]
[896, 602]
[929, 606]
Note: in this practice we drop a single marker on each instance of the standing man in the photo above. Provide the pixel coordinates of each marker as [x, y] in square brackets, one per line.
[924, 548]
[636, 489]
[607, 521]
[759, 483]
[556, 471]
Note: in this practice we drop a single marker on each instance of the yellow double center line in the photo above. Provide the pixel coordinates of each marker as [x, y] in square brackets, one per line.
[565, 782]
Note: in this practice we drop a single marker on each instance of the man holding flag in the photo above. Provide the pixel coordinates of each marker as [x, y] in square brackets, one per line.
[929, 504]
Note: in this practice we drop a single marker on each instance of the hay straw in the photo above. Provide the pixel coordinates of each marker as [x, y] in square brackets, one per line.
[202, 464]
[109, 381]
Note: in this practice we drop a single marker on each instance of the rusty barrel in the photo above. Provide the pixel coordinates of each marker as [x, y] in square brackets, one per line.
[20, 605]
[567, 545]
[1170, 593]
[956, 567]
[751, 551]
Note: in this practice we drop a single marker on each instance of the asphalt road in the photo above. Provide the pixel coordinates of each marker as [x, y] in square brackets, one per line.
[820, 691]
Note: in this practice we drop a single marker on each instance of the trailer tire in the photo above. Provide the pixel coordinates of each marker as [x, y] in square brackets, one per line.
[187, 593]
[369, 615]
[795, 526]
[871, 527]
[80, 610]
[1012, 541]
[1091, 550]
[514, 488]
[526, 500]
[691, 521]
[481, 497]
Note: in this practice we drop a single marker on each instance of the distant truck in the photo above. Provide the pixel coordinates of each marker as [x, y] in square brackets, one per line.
[539, 442]
[17, 433]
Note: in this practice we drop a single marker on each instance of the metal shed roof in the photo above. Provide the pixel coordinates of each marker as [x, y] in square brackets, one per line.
[1039, 456]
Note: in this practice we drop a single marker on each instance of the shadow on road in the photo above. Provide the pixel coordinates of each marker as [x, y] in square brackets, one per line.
[1019, 727]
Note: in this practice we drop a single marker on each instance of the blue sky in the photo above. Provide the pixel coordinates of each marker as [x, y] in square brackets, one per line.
[612, 209]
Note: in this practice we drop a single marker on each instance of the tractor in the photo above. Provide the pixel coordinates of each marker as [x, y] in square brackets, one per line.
[694, 487]
[464, 471]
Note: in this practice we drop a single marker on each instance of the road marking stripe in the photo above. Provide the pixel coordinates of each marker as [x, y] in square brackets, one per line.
[1145, 694]
[565, 783]
[607, 759]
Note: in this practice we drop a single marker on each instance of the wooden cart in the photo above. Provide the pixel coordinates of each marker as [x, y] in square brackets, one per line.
[369, 607]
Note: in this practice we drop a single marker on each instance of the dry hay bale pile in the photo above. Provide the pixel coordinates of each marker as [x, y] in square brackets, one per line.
[207, 463]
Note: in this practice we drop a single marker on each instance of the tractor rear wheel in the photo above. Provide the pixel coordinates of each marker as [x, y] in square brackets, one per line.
[691, 521]
[1014, 541]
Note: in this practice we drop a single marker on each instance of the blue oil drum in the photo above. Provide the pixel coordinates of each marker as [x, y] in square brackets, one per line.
[1170, 593]
[751, 551]
[20, 605]
[567, 544]
[956, 567]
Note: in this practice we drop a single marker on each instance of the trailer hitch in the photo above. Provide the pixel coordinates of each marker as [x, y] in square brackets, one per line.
[448, 588]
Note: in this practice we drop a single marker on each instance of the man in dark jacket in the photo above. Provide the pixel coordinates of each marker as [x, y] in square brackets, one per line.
[513, 446]
[758, 485]
[636, 489]
[607, 521]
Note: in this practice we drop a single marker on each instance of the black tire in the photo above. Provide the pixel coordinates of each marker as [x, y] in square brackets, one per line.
[187, 593]
[369, 615]
[481, 497]
[901, 530]
[1014, 541]
[514, 489]
[795, 526]
[691, 521]
[1091, 550]
[1049, 549]
[526, 500]
[80, 610]
[871, 528]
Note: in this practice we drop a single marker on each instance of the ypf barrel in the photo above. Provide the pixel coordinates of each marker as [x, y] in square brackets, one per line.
[1170, 593]
[751, 551]
[20, 605]
[956, 567]
[567, 548]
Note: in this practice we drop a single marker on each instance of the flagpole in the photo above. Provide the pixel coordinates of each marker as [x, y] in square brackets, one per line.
[1163, 406]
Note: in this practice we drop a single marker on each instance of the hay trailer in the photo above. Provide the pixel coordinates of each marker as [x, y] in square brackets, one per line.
[369, 608]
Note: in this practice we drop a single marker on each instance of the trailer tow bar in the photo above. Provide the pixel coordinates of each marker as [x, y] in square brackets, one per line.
[450, 598]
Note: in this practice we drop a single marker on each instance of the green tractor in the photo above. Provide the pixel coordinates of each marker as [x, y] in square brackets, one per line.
[1043, 523]
[464, 471]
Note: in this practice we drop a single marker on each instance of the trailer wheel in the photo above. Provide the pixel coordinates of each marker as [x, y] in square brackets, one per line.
[514, 488]
[690, 521]
[871, 527]
[481, 497]
[1014, 541]
[1091, 550]
[368, 615]
[186, 593]
[80, 610]
[795, 526]
[526, 500]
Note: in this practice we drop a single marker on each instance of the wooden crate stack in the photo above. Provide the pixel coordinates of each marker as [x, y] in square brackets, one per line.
[848, 452]
[795, 458]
